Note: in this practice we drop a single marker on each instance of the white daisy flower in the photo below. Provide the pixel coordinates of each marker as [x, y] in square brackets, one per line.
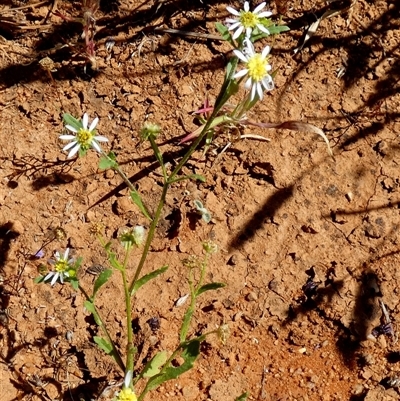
[63, 268]
[84, 137]
[247, 20]
[257, 69]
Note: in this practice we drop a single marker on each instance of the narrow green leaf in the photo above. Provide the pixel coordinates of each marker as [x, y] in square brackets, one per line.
[103, 344]
[194, 177]
[156, 151]
[101, 280]
[185, 324]
[209, 287]
[138, 201]
[108, 161]
[153, 367]
[90, 307]
[74, 283]
[143, 280]
[112, 258]
[242, 397]
[223, 30]
[190, 353]
[72, 121]
[276, 29]
[39, 279]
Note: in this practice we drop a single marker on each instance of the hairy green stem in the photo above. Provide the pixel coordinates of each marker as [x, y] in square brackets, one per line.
[129, 346]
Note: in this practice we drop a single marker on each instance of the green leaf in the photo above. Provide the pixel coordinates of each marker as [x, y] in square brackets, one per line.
[112, 258]
[209, 287]
[74, 283]
[72, 121]
[195, 177]
[190, 353]
[39, 279]
[153, 367]
[185, 324]
[103, 344]
[91, 308]
[276, 29]
[143, 280]
[223, 30]
[138, 201]
[101, 280]
[108, 161]
[242, 397]
[156, 151]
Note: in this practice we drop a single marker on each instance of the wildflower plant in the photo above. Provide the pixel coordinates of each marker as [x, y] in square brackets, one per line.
[247, 27]
[83, 137]
[242, 32]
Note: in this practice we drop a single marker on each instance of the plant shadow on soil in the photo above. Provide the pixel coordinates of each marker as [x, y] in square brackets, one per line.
[112, 26]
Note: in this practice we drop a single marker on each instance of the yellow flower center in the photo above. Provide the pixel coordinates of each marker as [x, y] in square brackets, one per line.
[249, 19]
[257, 66]
[61, 266]
[126, 394]
[84, 138]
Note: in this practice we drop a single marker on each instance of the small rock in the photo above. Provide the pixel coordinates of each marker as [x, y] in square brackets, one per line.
[357, 389]
[123, 205]
[251, 296]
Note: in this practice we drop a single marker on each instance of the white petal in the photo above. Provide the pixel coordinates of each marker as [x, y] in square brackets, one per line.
[54, 280]
[233, 11]
[240, 56]
[66, 254]
[70, 145]
[93, 124]
[259, 90]
[71, 128]
[262, 28]
[265, 51]
[241, 73]
[232, 21]
[248, 84]
[259, 7]
[268, 83]
[128, 379]
[62, 278]
[268, 67]
[249, 47]
[73, 151]
[96, 146]
[100, 138]
[234, 26]
[85, 120]
[264, 14]
[48, 275]
[67, 137]
[253, 92]
[238, 32]
[248, 32]
[246, 6]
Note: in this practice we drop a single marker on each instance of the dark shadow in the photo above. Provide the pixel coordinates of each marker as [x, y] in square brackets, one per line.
[366, 305]
[41, 172]
[267, 211]
[8, 233]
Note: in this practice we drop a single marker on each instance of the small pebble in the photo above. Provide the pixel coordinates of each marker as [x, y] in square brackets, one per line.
[251, 296]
